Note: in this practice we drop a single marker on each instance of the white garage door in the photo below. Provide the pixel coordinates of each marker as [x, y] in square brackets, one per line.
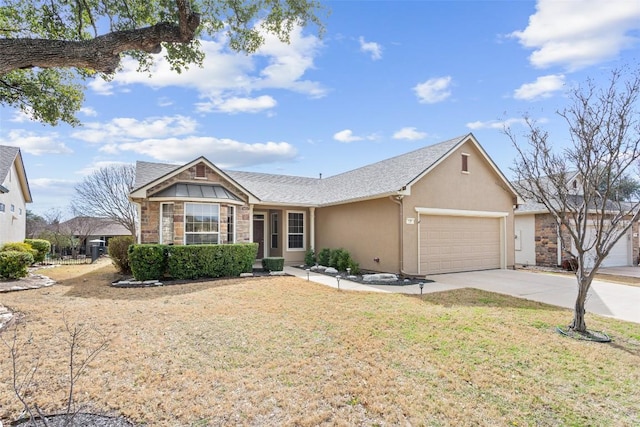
[619, 255]
[458, 243]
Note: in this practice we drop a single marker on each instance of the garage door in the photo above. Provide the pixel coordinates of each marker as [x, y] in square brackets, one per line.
[619, 255]
[458, 243]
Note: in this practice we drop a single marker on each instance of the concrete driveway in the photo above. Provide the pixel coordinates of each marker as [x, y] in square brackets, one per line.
[621, 271]
[608, 299]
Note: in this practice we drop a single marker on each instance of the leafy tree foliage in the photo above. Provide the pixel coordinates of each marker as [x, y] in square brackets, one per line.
[48, 46]
[604, 149]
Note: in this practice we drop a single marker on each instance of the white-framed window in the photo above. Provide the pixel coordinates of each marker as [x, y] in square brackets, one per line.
[2, 207]
[19, 211]
[275, 220]
[166, 223]
[201, 223]
[231, 224]
[13, 208]
[295, 231]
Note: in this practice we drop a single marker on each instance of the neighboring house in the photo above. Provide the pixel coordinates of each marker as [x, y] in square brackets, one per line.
[540, 241]
[14, 195]
[442, 208]
[91, 231]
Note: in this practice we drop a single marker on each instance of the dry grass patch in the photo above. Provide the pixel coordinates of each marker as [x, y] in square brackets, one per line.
[283, 351]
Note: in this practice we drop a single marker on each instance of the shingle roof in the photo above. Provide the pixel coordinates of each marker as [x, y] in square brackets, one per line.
[7, 157]
[378, 179]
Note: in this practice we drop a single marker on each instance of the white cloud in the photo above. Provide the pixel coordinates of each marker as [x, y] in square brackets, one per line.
[543, 87]
[346, 136]
[238, 105]
[21, 117]
[496, 124]
[127, 129]
[88, 111]
[91, 168]
[372, 48]
[433, 90]
[227, 74]
[226, 153]
[32, 143]
[410, 133]
[576, 34]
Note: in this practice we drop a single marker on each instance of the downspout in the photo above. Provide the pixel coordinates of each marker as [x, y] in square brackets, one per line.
[559, 245]
[398, 200]
[312, 226]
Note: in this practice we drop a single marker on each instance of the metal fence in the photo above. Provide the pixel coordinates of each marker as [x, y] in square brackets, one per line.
[66, 259]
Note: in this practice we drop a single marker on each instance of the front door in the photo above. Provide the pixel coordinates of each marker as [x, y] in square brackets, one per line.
[258, 234]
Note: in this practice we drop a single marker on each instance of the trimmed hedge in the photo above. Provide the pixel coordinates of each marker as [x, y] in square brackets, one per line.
[41, 246]
[273, 263]
[119, 252]
[13, 264]
[192, 261]
[148, 262]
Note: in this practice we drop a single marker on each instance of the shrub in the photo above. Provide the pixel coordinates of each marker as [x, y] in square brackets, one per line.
[273, 263]
[196, 261]
[324, 257]
[41, 246]
[340, 259]
[13, 264]
[147, 261]
[119, 252]
[310, 257]
[570, 264]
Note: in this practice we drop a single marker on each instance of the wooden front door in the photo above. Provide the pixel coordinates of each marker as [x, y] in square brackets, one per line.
[258, 234]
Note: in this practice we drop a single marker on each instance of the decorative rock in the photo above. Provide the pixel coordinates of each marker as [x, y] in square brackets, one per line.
[246, 274]
[380, 277]
[277, 273]
[318, 268]
[352, 277]
[331, 270]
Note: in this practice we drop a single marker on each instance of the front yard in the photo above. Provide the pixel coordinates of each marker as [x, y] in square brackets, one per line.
[284, 351]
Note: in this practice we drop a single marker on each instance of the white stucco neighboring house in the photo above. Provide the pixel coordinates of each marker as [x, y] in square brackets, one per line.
[14, 195]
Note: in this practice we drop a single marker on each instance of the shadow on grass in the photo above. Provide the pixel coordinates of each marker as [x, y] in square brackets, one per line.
[97, 284]
[470, 297]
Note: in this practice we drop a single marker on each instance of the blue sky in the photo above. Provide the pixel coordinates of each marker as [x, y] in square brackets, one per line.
[386, 78]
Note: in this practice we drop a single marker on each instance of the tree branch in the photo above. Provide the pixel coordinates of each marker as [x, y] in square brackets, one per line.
[102, 53]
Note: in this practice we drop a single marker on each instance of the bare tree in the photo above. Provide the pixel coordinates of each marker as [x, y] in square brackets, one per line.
[105, 194]
[579, 184]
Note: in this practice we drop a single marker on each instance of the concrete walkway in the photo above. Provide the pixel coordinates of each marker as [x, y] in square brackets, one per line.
[608, 299]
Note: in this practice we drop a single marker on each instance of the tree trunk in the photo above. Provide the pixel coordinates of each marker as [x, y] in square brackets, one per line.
[578, 324]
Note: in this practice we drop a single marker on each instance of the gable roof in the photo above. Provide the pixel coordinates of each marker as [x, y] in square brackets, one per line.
[387, 177]
[9, 156]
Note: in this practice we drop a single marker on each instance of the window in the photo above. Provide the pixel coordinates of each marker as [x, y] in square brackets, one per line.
[201, 223]
[274, 230]
[295, 230]
[166, 223]
[13, 208]
[231, 224]
[200, 171]
[2, 208]
[19, 211]
[465, 162]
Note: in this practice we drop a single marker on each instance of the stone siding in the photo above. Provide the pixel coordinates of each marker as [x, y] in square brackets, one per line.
[150, 210]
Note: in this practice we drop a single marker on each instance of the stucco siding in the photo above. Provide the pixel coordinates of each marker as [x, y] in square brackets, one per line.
[448, 187]
[368, 230]
[525, 239]
[13, 223]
